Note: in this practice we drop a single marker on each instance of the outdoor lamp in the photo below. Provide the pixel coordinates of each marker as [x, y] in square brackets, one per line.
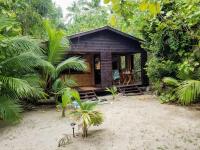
[73, 125]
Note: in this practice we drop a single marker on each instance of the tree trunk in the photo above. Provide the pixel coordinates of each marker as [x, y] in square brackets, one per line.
[63, 112]
[84, 128]
[113, 97]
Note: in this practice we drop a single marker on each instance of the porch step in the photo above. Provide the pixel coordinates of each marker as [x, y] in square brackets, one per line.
[130, 89]
[88, 95]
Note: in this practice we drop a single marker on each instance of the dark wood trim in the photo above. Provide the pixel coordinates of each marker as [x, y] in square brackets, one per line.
[106, 69]
[144, 77]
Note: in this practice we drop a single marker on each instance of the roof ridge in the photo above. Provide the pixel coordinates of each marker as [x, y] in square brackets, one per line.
[104, 28]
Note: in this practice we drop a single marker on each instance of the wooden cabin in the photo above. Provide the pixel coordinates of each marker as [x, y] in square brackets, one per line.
[110, 56]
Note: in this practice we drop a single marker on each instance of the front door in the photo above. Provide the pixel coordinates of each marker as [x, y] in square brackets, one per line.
[97, 69]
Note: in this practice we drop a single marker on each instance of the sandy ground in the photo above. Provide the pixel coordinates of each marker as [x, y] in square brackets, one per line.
[131, 123]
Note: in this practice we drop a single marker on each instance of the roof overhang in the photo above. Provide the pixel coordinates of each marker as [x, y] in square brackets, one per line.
[108, 28]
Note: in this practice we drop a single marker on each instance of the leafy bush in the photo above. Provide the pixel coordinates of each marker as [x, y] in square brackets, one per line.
[188, 91]
[167, 97]
[86, 115]
[185, 91]
[112, 90]
[158, 68]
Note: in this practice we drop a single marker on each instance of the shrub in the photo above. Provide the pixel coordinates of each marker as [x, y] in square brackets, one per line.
[112, 90]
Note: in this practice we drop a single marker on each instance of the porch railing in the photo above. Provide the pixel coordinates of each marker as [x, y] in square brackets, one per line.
[126, 77]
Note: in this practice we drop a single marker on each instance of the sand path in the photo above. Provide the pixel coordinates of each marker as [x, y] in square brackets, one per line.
[131, 123]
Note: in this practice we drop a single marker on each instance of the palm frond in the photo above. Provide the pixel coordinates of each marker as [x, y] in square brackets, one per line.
[171, 81]
[75, 94]
[17, 45]
[66, 97]
[74, 63]
[9, 110]
[57, 44]
[35, 82]
[60, 84]
[188, 91]
[19, 63]
[57, 85]
[6, 22]
[96, 118]
[69, 81]
[88, 106]
[19, 86]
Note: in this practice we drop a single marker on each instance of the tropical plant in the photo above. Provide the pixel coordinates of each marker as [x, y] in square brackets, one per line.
[30, 14]
[85, 15]
[113, 91]
[74, 10]
[87, 116]
[19, 58]
[186, 91]
[56, 51]
[67, 95]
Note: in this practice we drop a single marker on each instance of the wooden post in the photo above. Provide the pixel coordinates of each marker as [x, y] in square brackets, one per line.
[106, 69]
[132, 63]
[144, 78]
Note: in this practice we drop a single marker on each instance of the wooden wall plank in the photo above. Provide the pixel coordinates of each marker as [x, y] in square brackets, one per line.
[106, 69]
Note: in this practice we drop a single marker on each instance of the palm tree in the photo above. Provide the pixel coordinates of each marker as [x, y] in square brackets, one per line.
[113, 91]
[80, 7]
[68, 95]
[86, 115]
[56, 50]
[19, 56]
[74, 10]
[93, 4]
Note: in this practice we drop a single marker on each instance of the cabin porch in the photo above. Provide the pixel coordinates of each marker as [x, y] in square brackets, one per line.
[119, 69]
[91, 92]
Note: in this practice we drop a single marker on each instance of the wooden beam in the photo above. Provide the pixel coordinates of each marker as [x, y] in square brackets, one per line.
[106, 69]
[144, 77]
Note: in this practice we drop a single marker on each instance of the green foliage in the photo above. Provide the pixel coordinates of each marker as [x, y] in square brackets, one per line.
[24, 65]
[158, 68]
[112, 90]
[57, 45]
[171, 81]
[29, 16]
[86, 15]
[19, 58]
[87, 116]
[85, 113]
[9, 110]
[185, 91]
[171, 33]
[188, 91]
[65, 82]
[67, 95]
[167, 97]
[74, 63]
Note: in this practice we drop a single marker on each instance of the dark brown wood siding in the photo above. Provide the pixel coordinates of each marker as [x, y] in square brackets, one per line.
[104, 41]
[106, 69]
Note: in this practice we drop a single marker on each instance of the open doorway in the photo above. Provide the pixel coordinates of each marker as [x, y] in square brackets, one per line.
[126, 69]
[97, 69]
